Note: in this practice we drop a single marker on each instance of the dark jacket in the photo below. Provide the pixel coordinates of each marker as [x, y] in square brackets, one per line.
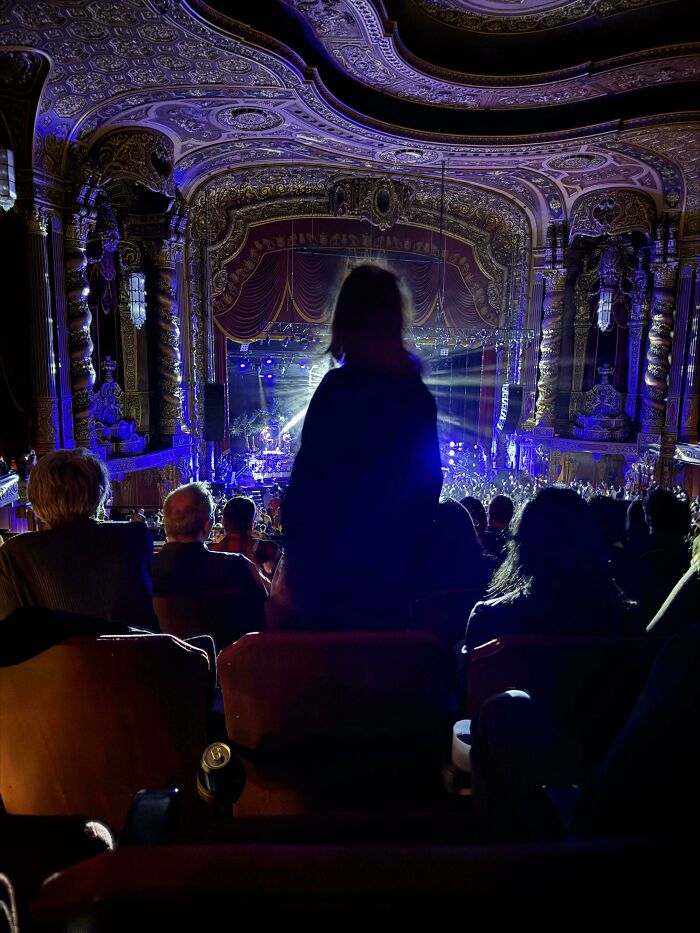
[555, 610]
[98, 569]
[362, 496]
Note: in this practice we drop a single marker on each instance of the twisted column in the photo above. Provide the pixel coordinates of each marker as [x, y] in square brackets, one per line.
[638, 322]
[550, 347]
[659, 350]
[691, 399]
[80, 345]
[65, 401]
[43, 368]
[166, 255]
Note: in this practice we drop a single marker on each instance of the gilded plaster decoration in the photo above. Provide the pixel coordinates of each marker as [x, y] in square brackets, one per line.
[365, 46]
[610, 212]
[520, 16]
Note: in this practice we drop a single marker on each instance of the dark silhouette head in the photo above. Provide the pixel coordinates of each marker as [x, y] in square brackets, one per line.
[501, 510]
[609, 515]
[555, 541]
[238, 515]
[477, 512]
[369, 319]
[456, 533]
[636, 528]
[666, 514]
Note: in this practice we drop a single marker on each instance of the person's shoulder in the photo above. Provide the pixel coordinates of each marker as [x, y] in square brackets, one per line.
[122, 531]
[19, 544]
[238, 566]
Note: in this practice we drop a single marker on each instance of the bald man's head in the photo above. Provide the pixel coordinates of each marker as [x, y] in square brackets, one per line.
[188, 513]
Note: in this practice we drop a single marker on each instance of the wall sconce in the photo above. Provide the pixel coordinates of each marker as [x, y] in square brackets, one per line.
[8, 194]
[137, 298]
[610, 274]
[605, 308]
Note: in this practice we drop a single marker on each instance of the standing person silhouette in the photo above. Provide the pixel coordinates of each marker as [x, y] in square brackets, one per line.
[371, 425]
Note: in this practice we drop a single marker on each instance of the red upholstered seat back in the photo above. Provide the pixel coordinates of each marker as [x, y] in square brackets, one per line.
[225, 615]
[86, 724]
[317, 711]
[590, 683]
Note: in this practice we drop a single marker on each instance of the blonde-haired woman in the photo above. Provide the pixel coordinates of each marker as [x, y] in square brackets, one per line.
[76, 563]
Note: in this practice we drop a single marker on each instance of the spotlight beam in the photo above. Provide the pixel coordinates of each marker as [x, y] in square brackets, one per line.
[294, 421]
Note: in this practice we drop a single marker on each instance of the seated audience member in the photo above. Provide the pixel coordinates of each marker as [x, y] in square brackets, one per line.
[75, 563]
[495, 537]
[665, 555]
[478, 514]
[238, 521]
[645, 785]
[458, 573]
[609, 515]
[682, 606]
[555, 579]
[184, 565]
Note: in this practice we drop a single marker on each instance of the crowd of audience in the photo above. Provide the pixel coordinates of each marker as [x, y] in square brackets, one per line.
[540, 560]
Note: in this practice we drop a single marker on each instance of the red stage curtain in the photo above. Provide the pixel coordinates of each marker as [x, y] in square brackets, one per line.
[260, 299]
[314, 282]
[267, 281]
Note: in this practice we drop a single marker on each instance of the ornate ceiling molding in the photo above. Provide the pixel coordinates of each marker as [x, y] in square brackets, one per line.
[367, 49]
[236, 103]
[504, 17]
[611, 212]
[142, 155]
[225, 210]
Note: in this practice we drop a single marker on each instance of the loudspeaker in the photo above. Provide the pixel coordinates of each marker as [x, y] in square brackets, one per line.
[511, 405]
[214, 411]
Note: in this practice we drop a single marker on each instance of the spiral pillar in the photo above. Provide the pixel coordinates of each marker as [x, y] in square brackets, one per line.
[637, 326]
[80, 345]
[659, 349]
[166, 255]
[44, 364]
[550, 347]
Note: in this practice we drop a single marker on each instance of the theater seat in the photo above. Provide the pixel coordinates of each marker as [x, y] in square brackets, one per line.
[339, 721]
[591, 684]
[191, 887]
[86, 724]
[224, 615]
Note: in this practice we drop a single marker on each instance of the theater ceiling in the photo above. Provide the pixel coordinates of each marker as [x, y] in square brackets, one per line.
[534, 100]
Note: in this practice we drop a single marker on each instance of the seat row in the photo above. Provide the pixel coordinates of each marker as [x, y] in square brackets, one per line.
[323, 722]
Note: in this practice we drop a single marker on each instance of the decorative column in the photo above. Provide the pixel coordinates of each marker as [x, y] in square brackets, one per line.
[659, 350]
[637, 325]
[550, 348]
[43, 359]
[681, 326]
[134, 344]
[65, 400]
[78, 226]
[529, 361]
[582, 327]
[166, 254]
[691, 400]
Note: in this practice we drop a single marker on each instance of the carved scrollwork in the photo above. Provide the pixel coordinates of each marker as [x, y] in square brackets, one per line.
[611, 211]
[143, 155]
[381, 201]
